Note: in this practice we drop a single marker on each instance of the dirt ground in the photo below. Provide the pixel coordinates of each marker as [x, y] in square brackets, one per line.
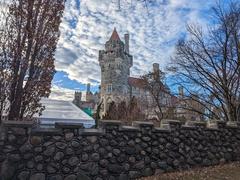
[221, 172]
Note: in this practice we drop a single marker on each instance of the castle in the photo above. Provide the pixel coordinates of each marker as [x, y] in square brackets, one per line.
[87, 104]
[117, 85]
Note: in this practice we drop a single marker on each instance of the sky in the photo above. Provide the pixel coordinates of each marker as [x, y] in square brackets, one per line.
[88, 24]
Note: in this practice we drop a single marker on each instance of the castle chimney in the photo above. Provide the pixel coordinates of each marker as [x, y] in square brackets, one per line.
[180, 91]
[88, 87]
[126, 37]
[155, 67]
[156, 71]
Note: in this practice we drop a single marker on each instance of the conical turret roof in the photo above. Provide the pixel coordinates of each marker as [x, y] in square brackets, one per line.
[114, 35]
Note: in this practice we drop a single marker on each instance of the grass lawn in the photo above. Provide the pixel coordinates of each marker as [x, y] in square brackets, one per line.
[221, 172]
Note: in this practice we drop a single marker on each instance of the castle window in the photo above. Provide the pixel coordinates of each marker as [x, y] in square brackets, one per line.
[109, 88]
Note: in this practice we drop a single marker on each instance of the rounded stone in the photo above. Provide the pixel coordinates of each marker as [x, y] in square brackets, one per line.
[130, 150]
[155, 151]
[11, 138]
[102, 151]
[123, 177]
[71, 177]
[116, 152]
[73, 161]
[82, 176]
[121, 158]
[147, 159]
[114, 168]
[126, 167]
[69, 151]
[146, 138]
[24, 175]
[35, 140]
[153, 165]
[56, 177]
[51, 169]
[134, 174]
[162, 165]
[38, 176]
[95, 157]
[103, 163]
[69, 136]
[25, 148]
[75, 144]
[49, 151]
[132, 159]
[61, 145]
[66, 169]
[30, 164]
[92, 139]
[14, 157]
[58, 156]
[84, 157]
[39, 167]
[103, 142]
[113, 142]
[95, 147]
[98, 178]
[38, 158]
[109, 148]
[131, 143]
[147, 172]
[137, 140]
[139, 165]
[38, 149]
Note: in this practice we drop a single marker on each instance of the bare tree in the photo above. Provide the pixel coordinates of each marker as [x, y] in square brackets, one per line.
[31, 32]
[160, 97]
[126, 112]
[134, 112]
[208, 63]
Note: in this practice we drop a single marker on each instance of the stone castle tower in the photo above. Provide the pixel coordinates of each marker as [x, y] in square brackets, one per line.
[115, 62]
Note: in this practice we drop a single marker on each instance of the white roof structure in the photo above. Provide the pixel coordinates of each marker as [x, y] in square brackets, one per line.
[63, 111]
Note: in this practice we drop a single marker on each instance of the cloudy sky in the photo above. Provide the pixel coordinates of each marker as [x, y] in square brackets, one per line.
[88, 24]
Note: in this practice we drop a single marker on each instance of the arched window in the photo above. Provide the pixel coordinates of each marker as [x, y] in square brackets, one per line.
[109, 88]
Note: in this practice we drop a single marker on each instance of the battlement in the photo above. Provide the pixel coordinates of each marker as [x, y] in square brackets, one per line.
[114, 151]
[169, 125]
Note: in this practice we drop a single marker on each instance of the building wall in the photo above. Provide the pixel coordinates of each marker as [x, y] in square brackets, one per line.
[113, 152]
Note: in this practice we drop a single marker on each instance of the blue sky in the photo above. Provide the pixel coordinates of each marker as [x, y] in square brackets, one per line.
[88, 24]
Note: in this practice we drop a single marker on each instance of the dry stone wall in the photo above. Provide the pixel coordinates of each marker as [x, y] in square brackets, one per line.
[112, 152]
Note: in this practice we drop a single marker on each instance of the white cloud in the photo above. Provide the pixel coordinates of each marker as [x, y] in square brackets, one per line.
[84, 31]
[61, 93]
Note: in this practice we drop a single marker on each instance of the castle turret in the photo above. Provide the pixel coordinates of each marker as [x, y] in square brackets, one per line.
[88, 87]
[115, 63]
[156, 71]
[77, 98]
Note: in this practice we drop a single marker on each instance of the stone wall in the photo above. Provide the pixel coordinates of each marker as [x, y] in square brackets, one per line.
[112, 152]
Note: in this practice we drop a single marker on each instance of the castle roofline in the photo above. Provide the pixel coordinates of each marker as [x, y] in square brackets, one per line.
[136, 82]
[115, 36]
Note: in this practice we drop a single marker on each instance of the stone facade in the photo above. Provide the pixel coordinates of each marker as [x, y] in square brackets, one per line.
[115, 62]
[116, 83]
[112, 152]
